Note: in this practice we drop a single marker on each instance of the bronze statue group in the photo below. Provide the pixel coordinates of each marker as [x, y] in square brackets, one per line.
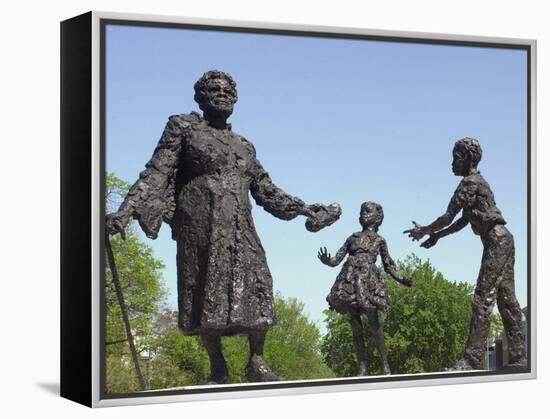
[198, 181]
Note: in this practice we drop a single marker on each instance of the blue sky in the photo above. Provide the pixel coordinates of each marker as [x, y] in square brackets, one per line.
[335, 120]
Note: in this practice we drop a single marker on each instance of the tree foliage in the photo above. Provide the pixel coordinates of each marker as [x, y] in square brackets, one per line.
[495, 326]
[115, 191]
[143, 291]
[426, 326]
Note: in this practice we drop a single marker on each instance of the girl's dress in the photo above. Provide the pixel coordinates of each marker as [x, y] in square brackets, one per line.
[359, 285]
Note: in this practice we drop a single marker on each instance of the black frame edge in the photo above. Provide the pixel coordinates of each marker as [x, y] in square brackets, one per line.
[76, 210]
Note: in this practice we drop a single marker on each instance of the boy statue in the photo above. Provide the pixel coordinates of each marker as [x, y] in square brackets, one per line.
[475, 199]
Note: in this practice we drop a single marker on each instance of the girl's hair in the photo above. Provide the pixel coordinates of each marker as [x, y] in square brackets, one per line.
[379, 213]
[472, 147]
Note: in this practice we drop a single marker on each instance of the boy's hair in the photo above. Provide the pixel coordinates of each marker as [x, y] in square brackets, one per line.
[472, 147]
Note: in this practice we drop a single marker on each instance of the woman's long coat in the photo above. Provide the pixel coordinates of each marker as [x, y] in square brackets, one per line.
[198, 182]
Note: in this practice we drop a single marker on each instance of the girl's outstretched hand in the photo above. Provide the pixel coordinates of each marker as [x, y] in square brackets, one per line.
[324, 256]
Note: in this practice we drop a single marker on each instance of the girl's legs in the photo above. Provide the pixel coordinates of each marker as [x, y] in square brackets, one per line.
[359, 342]
[375, 329]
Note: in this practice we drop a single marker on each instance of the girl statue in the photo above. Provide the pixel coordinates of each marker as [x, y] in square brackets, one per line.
[359, 288]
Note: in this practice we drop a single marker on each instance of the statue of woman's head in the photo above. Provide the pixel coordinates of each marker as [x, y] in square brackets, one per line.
[216, 93]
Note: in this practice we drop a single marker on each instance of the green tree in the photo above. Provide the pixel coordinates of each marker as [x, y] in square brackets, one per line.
[426, 326]
[177, 360]
[293, 346]
[143, 289]
[496, 325]
[115, 191]
[143, 293]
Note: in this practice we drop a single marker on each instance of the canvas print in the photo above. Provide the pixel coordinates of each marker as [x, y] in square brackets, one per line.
[288, 208]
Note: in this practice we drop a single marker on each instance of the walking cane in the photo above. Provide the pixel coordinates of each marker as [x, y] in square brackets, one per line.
[120, 297]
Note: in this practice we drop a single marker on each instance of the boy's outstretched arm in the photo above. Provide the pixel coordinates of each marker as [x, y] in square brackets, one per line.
[453, 228]
[440, 222]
